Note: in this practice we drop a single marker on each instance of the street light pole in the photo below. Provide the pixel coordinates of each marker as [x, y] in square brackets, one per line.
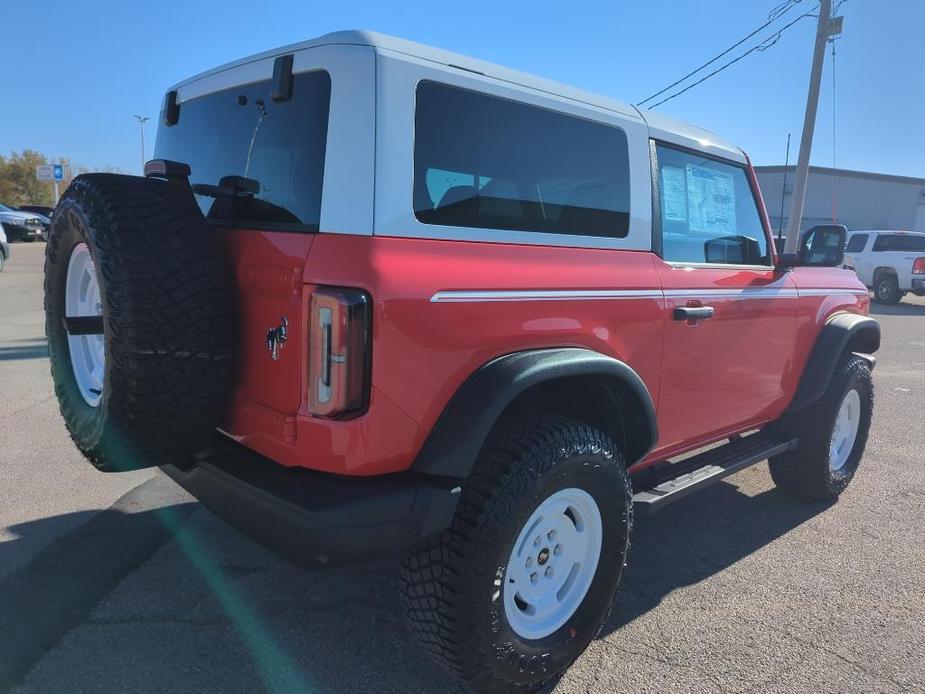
[826, 27]
[141, 122]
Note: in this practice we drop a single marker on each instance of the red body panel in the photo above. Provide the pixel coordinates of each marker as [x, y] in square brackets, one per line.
[709, 379]
[732, 370]
[423, 351]
[814, 309]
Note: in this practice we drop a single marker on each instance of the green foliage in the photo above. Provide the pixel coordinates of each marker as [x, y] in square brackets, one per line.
[18, 185]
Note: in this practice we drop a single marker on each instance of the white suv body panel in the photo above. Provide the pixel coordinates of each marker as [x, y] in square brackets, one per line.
[868, 263]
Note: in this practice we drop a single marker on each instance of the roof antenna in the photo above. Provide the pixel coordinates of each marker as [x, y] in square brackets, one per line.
[783, 191]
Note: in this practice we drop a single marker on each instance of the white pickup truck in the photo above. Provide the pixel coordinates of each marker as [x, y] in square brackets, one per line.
[889, 262]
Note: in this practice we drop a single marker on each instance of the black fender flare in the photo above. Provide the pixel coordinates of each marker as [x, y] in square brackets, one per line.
[454, 443]
[842, 331]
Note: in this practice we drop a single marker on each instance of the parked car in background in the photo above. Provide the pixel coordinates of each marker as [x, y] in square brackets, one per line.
[23, 226]
[42, 232]
[889, 262]
[43, 210]
[4, 248]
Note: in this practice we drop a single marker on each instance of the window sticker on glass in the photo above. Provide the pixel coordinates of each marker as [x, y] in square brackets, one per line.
[674, 194]
[711, 200]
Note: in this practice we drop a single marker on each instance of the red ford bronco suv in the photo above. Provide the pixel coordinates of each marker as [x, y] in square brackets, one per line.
[373, 297]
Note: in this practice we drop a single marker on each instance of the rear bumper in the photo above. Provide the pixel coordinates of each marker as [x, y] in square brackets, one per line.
[918, 285]
[314, 518]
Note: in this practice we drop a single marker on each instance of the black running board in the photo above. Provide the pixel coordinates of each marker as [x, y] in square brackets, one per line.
[680, 479]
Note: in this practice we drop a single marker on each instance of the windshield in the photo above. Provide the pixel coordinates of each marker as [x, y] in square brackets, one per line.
[4, 208]
[242, 132]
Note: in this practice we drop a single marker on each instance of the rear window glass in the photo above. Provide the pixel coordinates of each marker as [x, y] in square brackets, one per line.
[486, 162]
[856, 243]
[242, 132]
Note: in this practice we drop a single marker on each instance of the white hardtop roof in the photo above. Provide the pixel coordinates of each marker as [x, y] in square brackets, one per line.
[660, 126]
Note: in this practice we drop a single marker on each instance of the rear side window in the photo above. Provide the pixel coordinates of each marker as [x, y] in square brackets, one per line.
[900, 242]
[243, 132]
[884, 242]
[856, 243]
[909, 242]
[708, 211]
[486, 162]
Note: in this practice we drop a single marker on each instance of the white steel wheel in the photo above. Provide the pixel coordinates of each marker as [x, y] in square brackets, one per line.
[845, 432]
[552, 563]
[82, 298]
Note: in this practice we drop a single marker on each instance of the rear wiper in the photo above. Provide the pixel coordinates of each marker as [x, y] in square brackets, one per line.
[229, 187]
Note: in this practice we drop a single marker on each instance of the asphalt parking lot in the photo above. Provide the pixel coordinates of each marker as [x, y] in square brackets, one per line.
[116, 583]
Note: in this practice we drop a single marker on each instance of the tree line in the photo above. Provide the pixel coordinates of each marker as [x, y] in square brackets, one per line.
[18, 184]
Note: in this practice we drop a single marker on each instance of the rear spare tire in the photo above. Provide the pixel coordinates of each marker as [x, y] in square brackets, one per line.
[138, 315]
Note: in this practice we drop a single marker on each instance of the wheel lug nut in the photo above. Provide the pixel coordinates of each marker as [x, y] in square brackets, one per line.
[534, 577]
[558, 550]
[529, 562]
[551, 535]
[548, 571]
[536, 541]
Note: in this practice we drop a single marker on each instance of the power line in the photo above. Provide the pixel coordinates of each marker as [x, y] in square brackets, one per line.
[775, 14]
[763, 46]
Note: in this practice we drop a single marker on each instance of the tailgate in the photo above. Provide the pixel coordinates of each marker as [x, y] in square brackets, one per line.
[269, 361]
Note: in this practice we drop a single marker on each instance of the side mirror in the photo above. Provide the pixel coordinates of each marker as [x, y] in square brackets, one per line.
[732, 249]
[820, 246]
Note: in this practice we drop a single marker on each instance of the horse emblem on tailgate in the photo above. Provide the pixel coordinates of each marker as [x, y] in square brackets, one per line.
[276, 338]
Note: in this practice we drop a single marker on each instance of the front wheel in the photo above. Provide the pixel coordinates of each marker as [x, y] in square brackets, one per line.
[831, 435]
[514, 591]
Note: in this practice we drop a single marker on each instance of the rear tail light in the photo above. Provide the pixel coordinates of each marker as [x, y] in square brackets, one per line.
[918, 266]
[338, 352]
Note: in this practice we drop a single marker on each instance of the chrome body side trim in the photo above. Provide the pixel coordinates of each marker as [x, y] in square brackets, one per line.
[480, 296]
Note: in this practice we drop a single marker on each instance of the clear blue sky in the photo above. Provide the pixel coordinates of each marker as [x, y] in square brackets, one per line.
[73, 77]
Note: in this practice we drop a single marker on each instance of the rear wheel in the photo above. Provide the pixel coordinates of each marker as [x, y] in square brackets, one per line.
[513, 592]
[831, 433]
[138, 319]
[886, 289]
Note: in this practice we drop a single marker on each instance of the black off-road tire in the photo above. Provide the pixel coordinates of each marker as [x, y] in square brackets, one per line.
[805, 472]
[886, 289]
[450, 592]
[166, 298]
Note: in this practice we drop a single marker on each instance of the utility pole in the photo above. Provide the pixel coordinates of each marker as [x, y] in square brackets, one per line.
[826, 26]
[141, 122]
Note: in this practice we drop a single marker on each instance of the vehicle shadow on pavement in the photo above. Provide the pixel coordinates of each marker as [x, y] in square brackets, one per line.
[37, 349]
[207, 609]
[698, 537]
[900, 309]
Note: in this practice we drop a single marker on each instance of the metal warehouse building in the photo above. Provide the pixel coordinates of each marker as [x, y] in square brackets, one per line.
[856, 199]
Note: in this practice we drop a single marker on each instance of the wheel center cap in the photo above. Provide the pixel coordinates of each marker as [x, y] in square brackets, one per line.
[542, 557]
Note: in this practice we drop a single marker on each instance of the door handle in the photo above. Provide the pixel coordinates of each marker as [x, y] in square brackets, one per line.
[693, 312]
